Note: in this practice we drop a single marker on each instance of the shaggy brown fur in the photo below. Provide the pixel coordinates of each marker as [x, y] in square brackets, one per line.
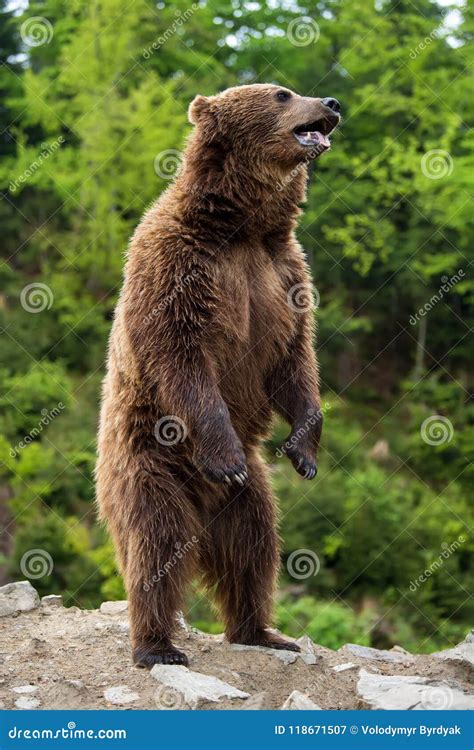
[207, 333]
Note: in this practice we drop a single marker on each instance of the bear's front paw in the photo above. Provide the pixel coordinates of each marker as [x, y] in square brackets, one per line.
[232, 470]
[304, 463]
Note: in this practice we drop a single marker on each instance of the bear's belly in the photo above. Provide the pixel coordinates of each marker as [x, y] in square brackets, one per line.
[255, 326]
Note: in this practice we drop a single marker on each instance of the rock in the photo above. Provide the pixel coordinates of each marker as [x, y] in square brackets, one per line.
[115, 627]
[463, 652]
[25, 689]
[287, 657]
[120, 695]
[308, 653]
[113, 608]
[411, 693]
[344, 667]
[255, 703]
[194, 686]
[53, 600]
[182, 622]
[75, 684]
[26, 704]
[380, 451]
[365, 652]
[298, 701]
[18, 597]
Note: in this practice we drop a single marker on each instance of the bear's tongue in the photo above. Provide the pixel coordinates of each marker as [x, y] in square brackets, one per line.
[314, 138]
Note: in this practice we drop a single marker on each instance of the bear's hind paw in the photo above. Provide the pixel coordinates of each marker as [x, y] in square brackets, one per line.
[147, 656]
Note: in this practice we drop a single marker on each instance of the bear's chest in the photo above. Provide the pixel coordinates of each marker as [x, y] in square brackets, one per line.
[254, 314]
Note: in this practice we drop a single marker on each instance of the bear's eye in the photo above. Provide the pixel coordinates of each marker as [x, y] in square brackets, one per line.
[283, 96]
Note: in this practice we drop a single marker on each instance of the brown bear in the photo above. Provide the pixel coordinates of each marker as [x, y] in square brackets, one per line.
[212, 334]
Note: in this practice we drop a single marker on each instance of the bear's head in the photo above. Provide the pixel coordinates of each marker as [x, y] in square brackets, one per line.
[266, 124]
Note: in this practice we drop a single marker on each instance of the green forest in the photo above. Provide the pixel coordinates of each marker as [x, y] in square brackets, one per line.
[94, 95]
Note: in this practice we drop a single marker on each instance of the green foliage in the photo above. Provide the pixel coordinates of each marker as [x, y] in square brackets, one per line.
[86, 118]
[331, 624]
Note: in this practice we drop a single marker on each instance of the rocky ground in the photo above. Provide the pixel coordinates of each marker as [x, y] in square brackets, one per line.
[53, 657]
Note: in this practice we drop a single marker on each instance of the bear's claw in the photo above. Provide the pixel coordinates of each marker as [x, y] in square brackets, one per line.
[147, 657]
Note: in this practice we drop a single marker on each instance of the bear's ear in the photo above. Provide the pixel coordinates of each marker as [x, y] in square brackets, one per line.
[198, 107]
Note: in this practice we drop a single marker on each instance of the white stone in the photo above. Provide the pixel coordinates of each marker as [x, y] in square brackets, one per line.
[344, 667]
[287, 657]
[25, 689]
[26, 704]
[194, 686]
[298, 701]
[120, 695]
[52, 600]
[365, 652]
[308, 653]
[18, 597]
[114, 608]
[463, 652]
[414, 693]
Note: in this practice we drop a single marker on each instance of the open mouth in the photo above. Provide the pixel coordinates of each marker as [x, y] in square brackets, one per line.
[315, 134]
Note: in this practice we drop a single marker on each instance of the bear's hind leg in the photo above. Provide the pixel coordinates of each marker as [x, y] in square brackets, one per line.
[163, 534]
[241, 560]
